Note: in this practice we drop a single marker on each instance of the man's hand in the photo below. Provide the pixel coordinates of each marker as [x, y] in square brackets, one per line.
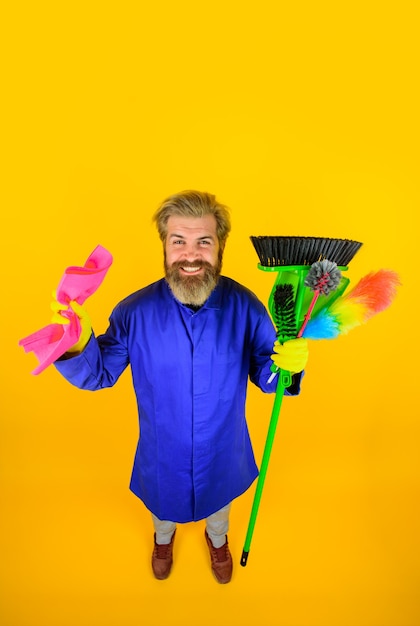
[292, 355]
[85, 323]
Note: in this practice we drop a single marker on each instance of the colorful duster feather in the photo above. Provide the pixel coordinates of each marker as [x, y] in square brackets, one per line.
[372, 294]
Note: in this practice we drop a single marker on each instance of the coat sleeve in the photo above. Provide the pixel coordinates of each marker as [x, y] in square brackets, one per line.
[102, 361]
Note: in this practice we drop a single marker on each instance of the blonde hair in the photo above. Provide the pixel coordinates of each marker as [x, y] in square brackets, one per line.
[193, 204]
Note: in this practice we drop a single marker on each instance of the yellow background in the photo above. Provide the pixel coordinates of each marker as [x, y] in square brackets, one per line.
[303, 118]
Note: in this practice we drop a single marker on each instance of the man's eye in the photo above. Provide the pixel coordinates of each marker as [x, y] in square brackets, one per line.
[204, 242]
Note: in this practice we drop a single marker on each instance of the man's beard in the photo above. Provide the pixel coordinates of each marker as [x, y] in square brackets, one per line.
[193, 290]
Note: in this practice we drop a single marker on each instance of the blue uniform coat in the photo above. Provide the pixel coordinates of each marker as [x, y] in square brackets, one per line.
[190, 372]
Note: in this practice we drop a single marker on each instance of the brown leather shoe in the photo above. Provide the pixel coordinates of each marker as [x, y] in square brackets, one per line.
[162, 559]
[221, 561]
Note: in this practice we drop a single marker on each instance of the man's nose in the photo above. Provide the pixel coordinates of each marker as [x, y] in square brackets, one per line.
[191, 251]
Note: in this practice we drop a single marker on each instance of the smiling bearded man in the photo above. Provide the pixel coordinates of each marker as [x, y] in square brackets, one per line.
[193, 339]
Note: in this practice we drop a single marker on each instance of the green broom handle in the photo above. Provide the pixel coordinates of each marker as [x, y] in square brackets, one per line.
[284, 381]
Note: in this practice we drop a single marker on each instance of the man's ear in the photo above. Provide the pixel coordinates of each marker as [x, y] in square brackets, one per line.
[222, 245]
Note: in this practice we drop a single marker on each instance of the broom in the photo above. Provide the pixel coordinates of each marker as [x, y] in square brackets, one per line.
[303, 265]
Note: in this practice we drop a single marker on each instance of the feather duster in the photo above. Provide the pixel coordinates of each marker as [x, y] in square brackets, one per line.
[372, 294]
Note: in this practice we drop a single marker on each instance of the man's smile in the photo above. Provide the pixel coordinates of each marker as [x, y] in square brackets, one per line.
[191, 269]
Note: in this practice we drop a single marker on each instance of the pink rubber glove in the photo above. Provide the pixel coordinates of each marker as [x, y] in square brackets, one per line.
[76, 285]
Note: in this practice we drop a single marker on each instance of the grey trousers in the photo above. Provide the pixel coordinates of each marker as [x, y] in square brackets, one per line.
[217, 526]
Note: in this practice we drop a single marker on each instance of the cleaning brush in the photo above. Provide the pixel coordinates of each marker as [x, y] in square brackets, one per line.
[278, 250]
[323, 278]
[283, 312]
[306, 267]
[292, 258]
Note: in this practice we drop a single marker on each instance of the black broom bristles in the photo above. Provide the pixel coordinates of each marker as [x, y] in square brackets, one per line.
[277, 251]
[284, 312]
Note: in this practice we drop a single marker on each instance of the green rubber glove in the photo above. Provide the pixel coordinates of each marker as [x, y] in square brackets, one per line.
[85, 323]
[291, 356]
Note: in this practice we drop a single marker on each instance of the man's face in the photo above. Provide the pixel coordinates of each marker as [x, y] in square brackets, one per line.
[192, 257]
